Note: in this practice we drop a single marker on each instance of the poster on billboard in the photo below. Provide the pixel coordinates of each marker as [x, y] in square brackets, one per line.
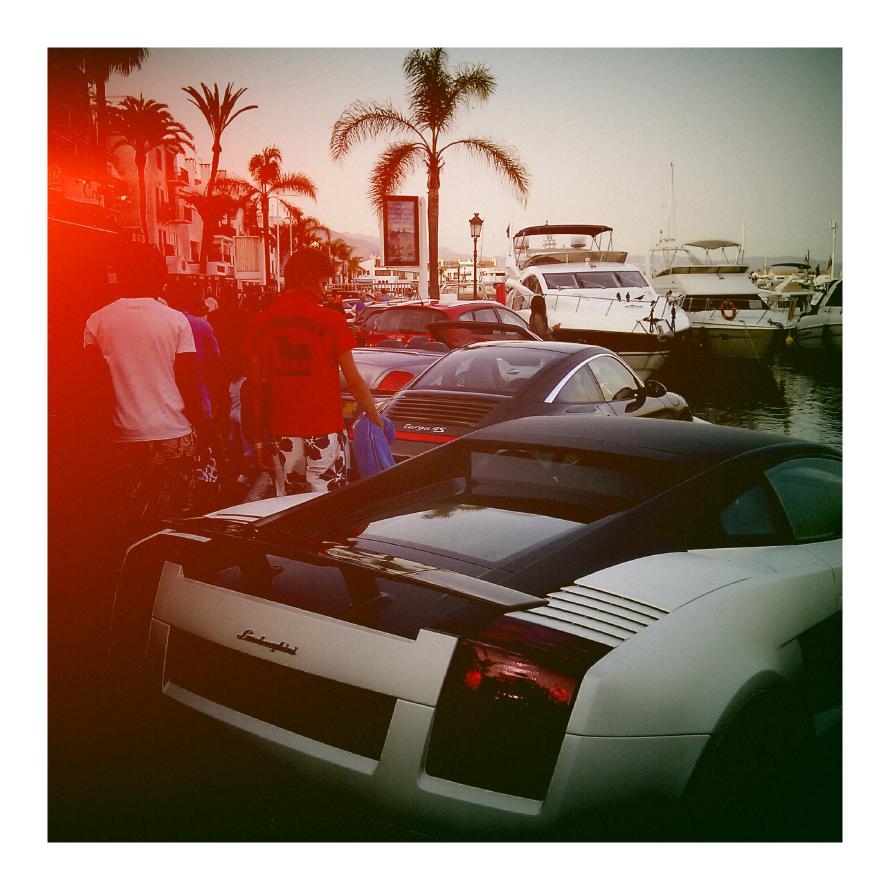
[401, 231]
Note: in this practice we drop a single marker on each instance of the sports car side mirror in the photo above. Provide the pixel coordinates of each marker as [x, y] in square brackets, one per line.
[655, 389]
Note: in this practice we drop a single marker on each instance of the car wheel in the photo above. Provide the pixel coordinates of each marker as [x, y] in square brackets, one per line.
[750, 777]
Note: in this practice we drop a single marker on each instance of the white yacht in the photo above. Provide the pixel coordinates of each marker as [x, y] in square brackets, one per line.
[822, 327]
[729, 317]
[593, 293]
[788, 287]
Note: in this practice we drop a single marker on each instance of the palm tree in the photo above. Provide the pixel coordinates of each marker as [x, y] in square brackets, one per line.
[299, 230]
[99, 65]
[218, 112]
[435, 95]
[268, 179]
[340, 252]
[306, 228]
[144, 125]
[211, 207]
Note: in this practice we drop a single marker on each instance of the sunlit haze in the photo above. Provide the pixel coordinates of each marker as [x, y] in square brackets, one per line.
[754, 135]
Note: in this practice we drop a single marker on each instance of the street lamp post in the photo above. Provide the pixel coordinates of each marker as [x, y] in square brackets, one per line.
[475, 232]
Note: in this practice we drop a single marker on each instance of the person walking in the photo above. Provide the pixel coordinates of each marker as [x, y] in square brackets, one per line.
[295, 351]
[141, 357]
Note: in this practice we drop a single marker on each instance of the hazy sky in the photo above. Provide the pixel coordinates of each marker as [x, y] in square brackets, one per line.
[754, 134]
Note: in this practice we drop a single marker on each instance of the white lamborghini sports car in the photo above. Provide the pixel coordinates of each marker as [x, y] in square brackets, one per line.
[544, 621]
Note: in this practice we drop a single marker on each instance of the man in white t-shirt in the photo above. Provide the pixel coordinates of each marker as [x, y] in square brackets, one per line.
[143, 353]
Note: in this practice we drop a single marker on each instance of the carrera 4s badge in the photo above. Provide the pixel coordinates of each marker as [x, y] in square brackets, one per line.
[248, 637]
[421, 428]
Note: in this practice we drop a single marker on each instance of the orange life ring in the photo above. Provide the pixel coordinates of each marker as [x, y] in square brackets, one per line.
[728, 310]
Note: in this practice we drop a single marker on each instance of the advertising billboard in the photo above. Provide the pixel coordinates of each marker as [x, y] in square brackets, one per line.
[401, 231]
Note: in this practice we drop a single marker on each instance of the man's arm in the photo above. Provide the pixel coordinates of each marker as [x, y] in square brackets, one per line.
[98, 405]
[252, 420]
[358, 387]
[185, 368]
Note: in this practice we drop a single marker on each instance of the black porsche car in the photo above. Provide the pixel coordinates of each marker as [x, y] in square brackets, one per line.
[484, 383]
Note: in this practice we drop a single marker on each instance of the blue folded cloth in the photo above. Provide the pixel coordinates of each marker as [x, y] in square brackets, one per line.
[372, 451]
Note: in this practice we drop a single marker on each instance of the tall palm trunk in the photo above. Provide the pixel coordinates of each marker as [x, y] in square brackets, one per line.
[264, 205]
[139, 160]
[101, 126]
[208, 227]
[432, 220]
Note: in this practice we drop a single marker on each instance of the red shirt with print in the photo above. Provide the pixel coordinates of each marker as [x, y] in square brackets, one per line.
[298, 344]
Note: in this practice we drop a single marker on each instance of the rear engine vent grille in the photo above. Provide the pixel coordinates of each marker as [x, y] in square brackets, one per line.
[595, 614]
[336, 714]
[440, 409]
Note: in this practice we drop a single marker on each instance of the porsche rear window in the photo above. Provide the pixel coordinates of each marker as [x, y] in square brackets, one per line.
[489, 370]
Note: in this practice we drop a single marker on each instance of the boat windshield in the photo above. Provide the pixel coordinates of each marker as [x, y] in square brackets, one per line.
[583, 279]
[701, 303]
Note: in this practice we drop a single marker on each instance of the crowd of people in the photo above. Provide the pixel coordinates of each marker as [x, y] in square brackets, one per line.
[208, 402]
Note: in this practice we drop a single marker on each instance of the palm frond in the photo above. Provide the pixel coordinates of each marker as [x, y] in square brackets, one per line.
[308, 227]
[367, 120]
[473, 82]
[430, 86]
[393, 165]
[503, 159]
[295, 182]
[217, 111]
[266, 165]
[237, 187]
[146, 124]
[211, 208]
[99, 62]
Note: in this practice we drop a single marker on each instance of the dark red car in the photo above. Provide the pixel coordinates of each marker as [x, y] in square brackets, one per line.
[403, 322]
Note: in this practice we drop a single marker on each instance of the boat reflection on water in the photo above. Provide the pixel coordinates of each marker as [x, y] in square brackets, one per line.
[791, 395]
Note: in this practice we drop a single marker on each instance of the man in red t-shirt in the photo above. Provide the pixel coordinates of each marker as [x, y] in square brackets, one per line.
[295, 351]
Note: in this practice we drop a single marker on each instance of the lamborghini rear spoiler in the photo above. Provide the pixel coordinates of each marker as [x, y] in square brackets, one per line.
[504, 599]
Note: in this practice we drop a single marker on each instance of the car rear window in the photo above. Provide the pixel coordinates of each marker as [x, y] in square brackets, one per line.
[492, 369]
[514, 500]
[408, 319]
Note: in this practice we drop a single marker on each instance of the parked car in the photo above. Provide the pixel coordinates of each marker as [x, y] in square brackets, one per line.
[545, 620]
[389, 366]
[406, 320]
[486, 383]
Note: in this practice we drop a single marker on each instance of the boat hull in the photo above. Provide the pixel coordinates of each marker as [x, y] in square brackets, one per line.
[645, 353]
[827, 336]
[736, 341]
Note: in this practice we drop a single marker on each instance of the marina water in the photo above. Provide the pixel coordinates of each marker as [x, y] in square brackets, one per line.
[795, 394]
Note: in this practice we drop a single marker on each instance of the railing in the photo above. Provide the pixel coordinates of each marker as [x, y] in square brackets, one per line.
[174, 212]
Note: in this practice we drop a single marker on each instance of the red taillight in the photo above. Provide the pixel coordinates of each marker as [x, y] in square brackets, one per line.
[423, 437]
[394, 381]
[505, 676]
[473, 679]
[505, 705]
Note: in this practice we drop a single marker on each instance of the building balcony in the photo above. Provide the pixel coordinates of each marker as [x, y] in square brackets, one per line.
[178, 176]
[174, 212]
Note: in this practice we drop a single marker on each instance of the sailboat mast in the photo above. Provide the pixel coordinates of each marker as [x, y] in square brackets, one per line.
[671, 221]
[833, 226]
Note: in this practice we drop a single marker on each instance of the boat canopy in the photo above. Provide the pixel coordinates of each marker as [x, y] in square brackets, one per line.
[712, 245]
[573, 256]
[566, 229]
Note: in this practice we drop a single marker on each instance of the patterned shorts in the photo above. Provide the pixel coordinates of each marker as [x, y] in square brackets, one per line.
[154, 480]
[324, 460]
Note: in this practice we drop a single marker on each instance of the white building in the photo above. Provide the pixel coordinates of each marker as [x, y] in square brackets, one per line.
[173, 225]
